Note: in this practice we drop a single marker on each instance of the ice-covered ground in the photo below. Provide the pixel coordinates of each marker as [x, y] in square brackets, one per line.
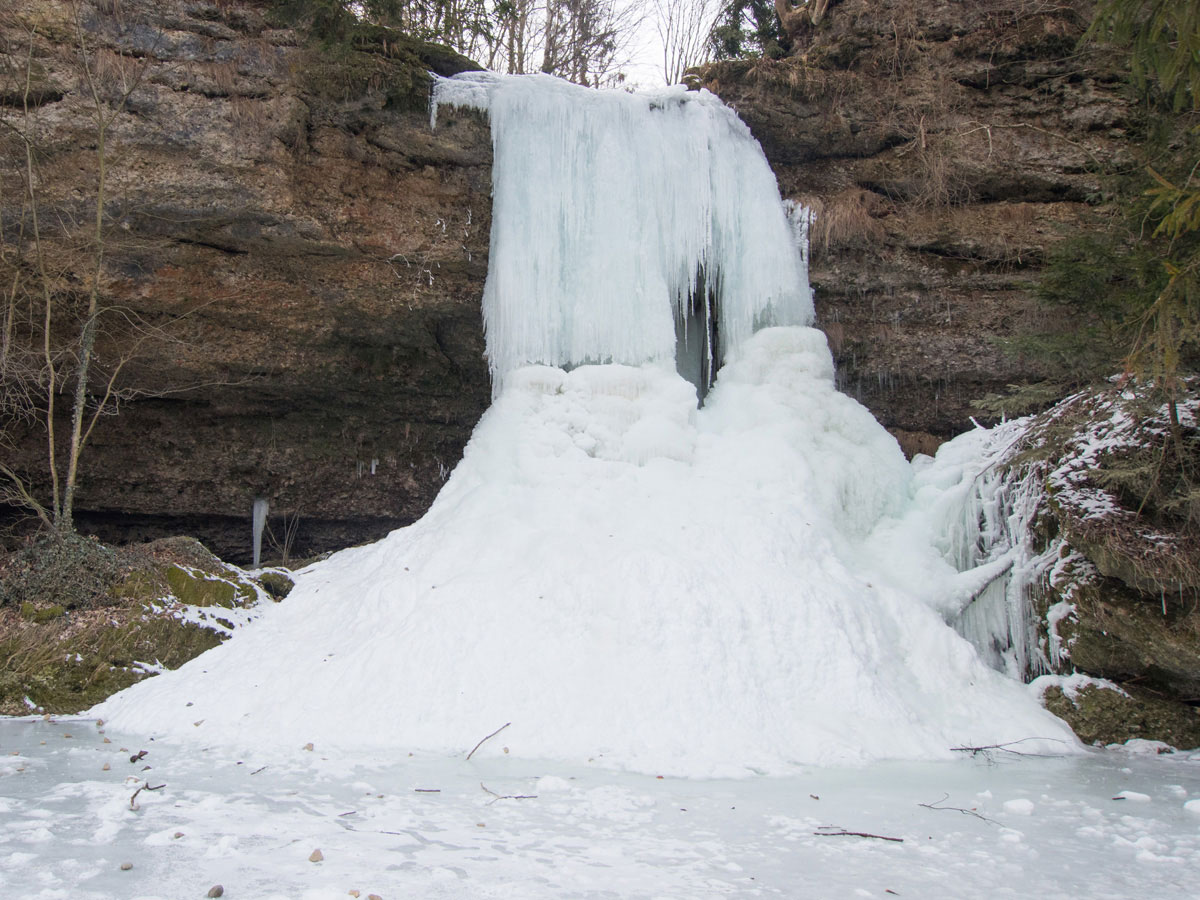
[625, 577]
[1108, 824]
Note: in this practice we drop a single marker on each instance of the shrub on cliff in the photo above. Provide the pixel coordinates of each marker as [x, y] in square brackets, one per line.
[1162, 38]
[54, 569]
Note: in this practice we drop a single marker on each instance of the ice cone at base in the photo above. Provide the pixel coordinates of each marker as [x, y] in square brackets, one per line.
[623, 576]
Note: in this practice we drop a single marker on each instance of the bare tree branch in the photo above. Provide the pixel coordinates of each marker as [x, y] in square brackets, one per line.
[488, 738]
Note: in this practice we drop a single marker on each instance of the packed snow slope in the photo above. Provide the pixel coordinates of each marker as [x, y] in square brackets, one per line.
[623, 577]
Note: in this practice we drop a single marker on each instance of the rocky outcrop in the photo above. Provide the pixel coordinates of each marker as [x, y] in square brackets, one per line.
[80, 621]
[1103, 715]
[1114, 582]
[945, 146]
[309, 256]
[296, 256]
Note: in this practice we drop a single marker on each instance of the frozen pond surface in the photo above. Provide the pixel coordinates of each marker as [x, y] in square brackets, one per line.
[420, 827]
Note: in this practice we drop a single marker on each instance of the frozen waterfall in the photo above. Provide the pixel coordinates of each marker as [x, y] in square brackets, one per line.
[612, 212]
[627, 578]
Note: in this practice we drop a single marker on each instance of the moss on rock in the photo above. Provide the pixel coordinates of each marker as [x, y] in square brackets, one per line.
[276, 583]
[61, 659]
[379, 61]
[195, 589]
[1105, 716]
[40, 614]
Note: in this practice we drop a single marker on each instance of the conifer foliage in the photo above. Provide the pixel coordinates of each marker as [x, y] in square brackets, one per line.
[1162, 38]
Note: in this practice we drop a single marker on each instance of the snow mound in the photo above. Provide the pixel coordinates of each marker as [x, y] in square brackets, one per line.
[627, 579]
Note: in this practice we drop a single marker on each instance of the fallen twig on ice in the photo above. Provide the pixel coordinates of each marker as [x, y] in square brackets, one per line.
[863, 834]
[145, 787]
[488, 738]
[1006, 747]
[965, 812]
[506, 796]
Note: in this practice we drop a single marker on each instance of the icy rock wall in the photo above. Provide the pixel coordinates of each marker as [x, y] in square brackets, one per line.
[983, 529]
[607, 206]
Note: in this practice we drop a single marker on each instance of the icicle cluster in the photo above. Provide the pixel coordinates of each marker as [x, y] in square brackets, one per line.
[608, 206]
[986, 535]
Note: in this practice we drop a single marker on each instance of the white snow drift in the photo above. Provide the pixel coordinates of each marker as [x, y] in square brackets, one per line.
[621, 576]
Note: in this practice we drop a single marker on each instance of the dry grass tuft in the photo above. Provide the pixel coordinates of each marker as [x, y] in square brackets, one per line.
[847, 219]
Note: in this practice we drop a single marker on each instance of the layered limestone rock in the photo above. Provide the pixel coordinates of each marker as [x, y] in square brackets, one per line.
[1114, 575]
[301, 256]
[944, 146]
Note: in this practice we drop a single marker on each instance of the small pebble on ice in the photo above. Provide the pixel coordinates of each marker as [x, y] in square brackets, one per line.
[307, 746]
[316, 856]
[216, 891]
[1019, 807]
[126, 866]
[178, 835]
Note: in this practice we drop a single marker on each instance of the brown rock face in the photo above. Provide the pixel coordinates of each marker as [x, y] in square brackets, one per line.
[945, 145]
[309, 257]
[1099, 715]
[305, 256]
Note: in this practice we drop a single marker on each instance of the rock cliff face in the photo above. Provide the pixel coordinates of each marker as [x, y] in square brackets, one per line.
[303, 258]
[314, 254]
[945, 145]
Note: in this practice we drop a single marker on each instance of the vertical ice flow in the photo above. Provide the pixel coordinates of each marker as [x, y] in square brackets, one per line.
[607, 206]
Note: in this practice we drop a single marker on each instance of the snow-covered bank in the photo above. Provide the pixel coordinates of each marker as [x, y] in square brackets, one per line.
[1104, 825]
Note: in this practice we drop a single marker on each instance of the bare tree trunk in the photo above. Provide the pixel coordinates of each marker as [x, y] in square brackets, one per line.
[683, 29]
[795, 19]
[87, 338]
[44, 280]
